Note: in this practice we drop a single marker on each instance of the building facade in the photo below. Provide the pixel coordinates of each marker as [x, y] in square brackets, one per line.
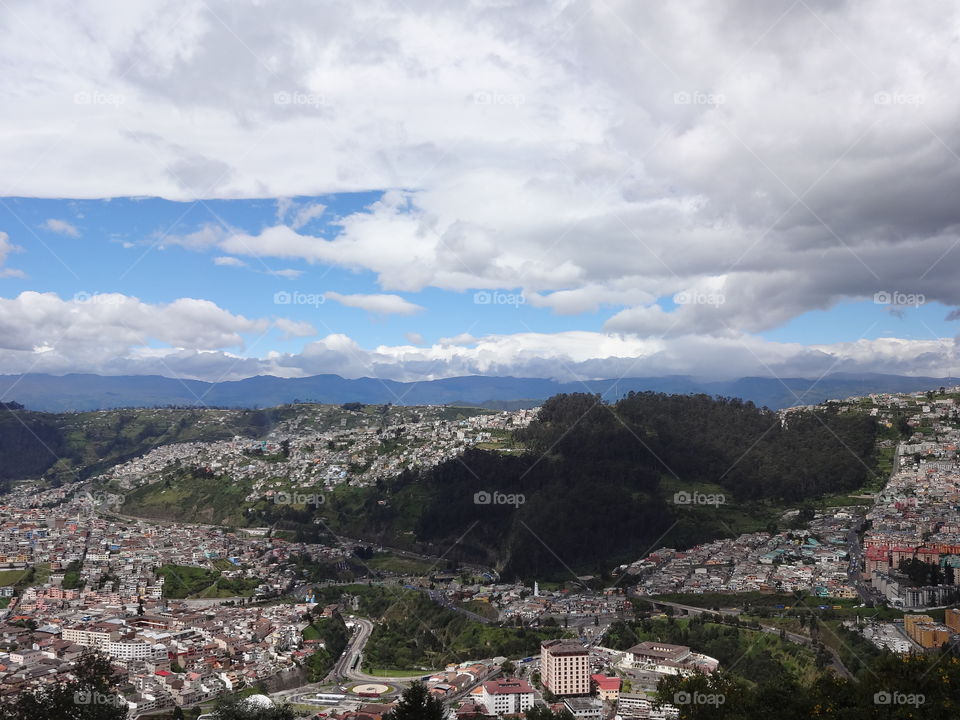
[565, 667]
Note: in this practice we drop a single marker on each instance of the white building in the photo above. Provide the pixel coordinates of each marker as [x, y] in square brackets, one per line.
[506, 696]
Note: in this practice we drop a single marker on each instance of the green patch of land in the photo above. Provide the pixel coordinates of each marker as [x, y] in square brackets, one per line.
[182, 581]
[11, 577]
[387, 672]
[481, 608]
[749, 652]
[402, 565]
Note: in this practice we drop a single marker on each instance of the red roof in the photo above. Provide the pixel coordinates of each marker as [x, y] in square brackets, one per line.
[504, 686]
[606, 683]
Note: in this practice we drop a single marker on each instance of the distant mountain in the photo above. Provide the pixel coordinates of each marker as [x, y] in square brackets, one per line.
[55, 393]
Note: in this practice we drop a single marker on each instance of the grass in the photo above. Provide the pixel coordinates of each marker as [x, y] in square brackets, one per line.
[481, 608]
[11, 577]
[183, 581]
[384, 672]
[311, 633]
[388, 562]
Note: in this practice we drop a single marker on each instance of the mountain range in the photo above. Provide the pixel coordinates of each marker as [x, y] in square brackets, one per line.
[59, 393]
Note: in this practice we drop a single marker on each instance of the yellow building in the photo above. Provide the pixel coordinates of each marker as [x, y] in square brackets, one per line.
[953, 619]
[925, 631]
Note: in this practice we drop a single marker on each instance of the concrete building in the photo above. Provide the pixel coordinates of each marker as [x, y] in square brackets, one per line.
[506, 696]
[584, 708]
[565, 667]
[925, 631]
[606, 687]
[952, 619]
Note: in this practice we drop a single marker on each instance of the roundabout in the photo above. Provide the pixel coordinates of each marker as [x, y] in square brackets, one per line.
[371, 689]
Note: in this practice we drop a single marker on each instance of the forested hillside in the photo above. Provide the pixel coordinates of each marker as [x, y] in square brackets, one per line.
[591, 480]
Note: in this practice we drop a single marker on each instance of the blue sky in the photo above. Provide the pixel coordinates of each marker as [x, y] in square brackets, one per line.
[123, 246]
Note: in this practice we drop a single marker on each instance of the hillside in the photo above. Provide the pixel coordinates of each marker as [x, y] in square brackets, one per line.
[593, 485]
[69, 446]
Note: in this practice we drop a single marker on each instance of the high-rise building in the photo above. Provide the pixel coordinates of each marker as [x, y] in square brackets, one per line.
[565, 667]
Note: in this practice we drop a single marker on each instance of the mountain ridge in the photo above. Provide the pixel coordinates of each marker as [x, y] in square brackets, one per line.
[87, 391]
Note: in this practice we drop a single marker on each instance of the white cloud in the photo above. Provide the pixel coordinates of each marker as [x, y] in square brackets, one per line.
[207, 236]
[292, 329]
[41, 333]
[594, 158]
[6, 247]
[381, 304]
[228, 261]
[287, 273]
[62, 227]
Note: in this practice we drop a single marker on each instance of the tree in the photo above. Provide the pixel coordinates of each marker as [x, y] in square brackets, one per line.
[178, 713]
[542, 712]
[90, 696]
[508, 667]
[416, 703]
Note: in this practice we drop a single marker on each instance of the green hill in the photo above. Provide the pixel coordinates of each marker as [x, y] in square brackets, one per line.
[596, 485]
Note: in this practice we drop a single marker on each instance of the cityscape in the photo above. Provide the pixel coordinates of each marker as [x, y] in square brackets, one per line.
[189, 613]
[480, 360]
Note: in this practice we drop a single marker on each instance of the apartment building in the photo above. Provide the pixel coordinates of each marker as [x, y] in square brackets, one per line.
[565, 667]
[95, 635]
[506, 696]
[925, 631]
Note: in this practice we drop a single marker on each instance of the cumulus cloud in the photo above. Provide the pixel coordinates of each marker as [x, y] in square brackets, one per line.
[6, 248]
[86, 334]
[61, 227]
[380, 304]
[103, 331]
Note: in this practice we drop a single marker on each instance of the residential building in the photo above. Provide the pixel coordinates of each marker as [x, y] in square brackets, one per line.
[507, 696]
[565, 667]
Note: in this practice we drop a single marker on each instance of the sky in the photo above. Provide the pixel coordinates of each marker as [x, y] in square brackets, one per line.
[416, 190]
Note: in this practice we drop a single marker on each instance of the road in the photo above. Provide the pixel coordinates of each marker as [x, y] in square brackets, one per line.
[344, 669]
[867, 593]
